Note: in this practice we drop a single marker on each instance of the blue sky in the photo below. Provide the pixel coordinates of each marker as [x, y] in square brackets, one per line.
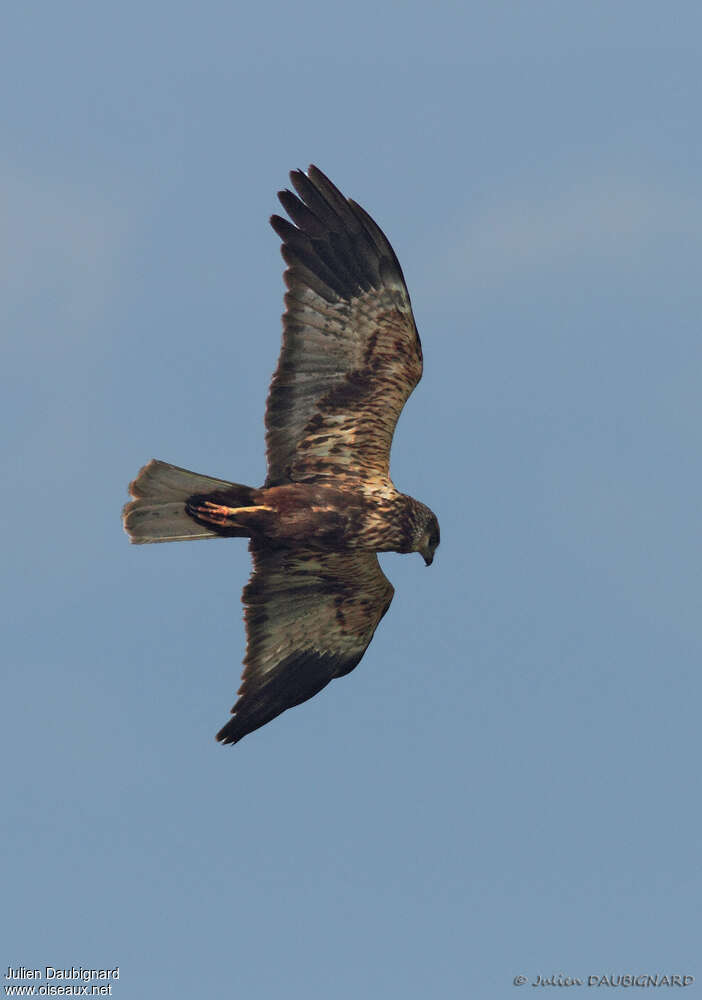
[508, 784]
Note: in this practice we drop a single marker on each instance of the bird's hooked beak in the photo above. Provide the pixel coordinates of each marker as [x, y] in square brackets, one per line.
[428, 560]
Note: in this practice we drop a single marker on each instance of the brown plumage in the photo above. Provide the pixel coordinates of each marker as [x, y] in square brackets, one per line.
[350, 358]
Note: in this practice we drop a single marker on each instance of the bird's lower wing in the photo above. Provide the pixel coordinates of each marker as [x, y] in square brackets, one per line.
[309, 618]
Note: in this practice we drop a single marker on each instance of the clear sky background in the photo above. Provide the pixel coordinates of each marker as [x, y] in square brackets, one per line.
[508, 784]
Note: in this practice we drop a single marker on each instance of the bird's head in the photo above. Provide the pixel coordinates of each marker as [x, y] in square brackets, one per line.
[427, 537]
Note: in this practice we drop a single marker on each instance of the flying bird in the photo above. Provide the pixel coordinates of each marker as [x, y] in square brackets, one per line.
[350, 358]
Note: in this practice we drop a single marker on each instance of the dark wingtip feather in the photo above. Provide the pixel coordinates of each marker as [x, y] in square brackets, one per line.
[319, 178]
[295, 680]
[327, 236]
[225, 737]
[303, 217]
[282, 227]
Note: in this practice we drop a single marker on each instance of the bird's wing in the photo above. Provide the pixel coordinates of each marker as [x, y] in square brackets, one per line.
[351, 353]
[309, 618]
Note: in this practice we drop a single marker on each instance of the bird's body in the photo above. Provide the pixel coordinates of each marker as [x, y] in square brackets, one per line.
[318, 516]
[350, 358]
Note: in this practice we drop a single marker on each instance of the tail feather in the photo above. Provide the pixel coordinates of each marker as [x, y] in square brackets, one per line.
[158, 512]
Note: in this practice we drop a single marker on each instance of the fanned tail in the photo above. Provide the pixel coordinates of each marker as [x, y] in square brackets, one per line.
[162, 495]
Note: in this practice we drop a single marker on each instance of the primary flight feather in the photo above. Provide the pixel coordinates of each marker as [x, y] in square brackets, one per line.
[350, 358]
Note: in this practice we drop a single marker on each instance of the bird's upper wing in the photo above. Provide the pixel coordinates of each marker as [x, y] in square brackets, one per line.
[351, 353]
[309, 618]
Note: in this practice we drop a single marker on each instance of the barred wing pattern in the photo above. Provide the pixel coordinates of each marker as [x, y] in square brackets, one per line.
[351, 353]
[310, 616]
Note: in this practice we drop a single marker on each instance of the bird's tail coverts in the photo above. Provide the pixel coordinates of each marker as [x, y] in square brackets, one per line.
[228, 512]
[161, 492]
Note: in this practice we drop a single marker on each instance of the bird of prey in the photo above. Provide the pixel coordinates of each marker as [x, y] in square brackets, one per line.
[350, 358]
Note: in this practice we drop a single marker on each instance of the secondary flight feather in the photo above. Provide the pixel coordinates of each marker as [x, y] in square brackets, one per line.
[350, 358]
